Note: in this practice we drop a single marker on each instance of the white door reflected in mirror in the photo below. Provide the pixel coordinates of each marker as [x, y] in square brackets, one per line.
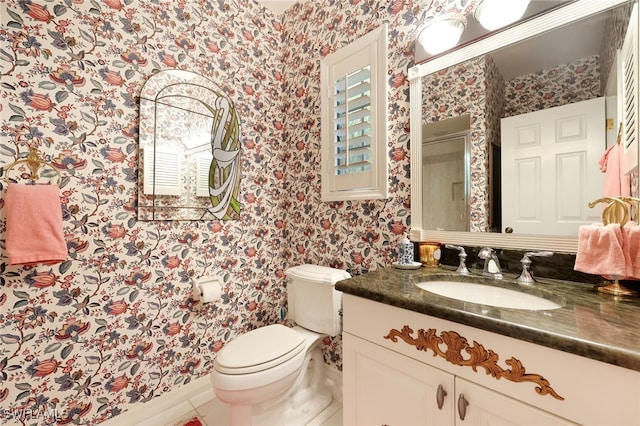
[552, 158]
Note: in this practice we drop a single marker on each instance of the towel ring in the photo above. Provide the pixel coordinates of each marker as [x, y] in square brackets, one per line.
[34, 163]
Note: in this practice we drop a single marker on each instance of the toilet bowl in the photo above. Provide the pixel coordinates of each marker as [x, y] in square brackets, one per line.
[274, 374]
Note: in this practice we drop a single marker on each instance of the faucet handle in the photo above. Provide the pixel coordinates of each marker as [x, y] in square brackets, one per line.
[529, 254]
[525, 276]
[462, 254]
[459, 248]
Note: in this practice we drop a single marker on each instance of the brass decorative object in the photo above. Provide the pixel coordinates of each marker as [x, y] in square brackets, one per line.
[618, 211]
[456, 345]
[617, 289]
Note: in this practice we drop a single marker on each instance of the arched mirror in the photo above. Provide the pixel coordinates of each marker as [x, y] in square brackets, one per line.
[189, 157]
[481, 81]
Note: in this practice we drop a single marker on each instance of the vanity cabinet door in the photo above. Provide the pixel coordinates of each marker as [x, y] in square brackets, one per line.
[477, 405]
[382, 387]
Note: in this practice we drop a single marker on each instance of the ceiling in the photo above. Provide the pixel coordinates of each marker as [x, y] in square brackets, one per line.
[561, 46]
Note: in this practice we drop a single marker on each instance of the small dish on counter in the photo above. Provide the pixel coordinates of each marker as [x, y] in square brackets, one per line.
[412, 265]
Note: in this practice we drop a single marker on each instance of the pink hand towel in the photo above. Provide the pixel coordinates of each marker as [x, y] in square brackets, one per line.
[631, 245]
[34, 225]
[600, 250]
[615, 183]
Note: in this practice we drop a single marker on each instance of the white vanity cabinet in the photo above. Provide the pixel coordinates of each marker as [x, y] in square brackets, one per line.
[386, 388]
[404, 368]
[476, 405]
[382, 387]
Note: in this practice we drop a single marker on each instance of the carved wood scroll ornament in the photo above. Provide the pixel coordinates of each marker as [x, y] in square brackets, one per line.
[478, 356]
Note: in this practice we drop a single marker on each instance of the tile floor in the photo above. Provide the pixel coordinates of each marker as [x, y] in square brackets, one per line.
[212, 412]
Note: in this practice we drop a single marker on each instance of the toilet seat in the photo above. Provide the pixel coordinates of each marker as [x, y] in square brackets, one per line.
[259, 350]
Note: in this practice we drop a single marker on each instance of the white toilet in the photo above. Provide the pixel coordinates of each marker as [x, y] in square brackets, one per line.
[273, 375]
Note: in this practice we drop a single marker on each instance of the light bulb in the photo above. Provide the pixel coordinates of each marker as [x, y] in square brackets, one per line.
[442, 33]
[494, 14]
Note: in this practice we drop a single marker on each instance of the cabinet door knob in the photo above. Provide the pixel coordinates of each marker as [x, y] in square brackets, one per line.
[462, 406]
[440, 394]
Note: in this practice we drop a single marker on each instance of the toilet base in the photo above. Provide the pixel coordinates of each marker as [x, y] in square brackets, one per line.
[305, 400]
[292, 413]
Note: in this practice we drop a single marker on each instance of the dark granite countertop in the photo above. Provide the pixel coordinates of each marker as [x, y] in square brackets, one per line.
[589, 323]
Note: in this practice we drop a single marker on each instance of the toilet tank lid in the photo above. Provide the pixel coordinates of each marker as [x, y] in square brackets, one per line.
[317, 273]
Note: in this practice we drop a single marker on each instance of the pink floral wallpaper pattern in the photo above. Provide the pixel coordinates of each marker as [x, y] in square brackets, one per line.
[115, 325]
[561, 85]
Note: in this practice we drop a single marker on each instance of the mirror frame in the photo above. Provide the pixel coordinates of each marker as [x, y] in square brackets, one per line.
[556, 18]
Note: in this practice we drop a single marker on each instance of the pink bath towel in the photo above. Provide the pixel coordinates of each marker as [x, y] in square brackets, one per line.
[615, 183]
[34, 225]
[631, 245]
[600, 250]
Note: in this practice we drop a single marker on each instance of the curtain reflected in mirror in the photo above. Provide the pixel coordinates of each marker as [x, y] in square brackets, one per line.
[190, 151]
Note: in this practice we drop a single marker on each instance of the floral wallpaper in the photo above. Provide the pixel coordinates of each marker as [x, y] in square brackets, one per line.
[494, 107]
[561, 85]
[115, 325]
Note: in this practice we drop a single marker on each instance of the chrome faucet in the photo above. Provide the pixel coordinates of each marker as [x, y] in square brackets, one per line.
[526, 277]
[462, 267]
[491, 263]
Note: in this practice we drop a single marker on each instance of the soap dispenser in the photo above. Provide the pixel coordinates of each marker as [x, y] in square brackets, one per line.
[405, 251]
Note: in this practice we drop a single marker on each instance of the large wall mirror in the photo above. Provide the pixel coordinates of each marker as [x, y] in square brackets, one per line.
[189, 157]
[515, 74]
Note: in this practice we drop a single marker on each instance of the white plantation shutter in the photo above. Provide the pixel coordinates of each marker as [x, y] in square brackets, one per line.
[203, 163]
[352, 124]
[354, 120]
[162, 171]
[628, 84]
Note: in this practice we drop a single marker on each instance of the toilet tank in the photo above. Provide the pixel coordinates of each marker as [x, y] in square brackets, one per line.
[314, 303]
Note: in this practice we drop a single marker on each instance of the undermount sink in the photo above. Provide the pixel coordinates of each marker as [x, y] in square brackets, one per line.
[488, 295]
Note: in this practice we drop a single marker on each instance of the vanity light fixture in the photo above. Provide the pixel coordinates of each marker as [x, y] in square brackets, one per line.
[442, 33]
[494, 14]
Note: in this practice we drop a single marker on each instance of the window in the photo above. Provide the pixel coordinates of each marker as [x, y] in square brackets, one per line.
[354, 120]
